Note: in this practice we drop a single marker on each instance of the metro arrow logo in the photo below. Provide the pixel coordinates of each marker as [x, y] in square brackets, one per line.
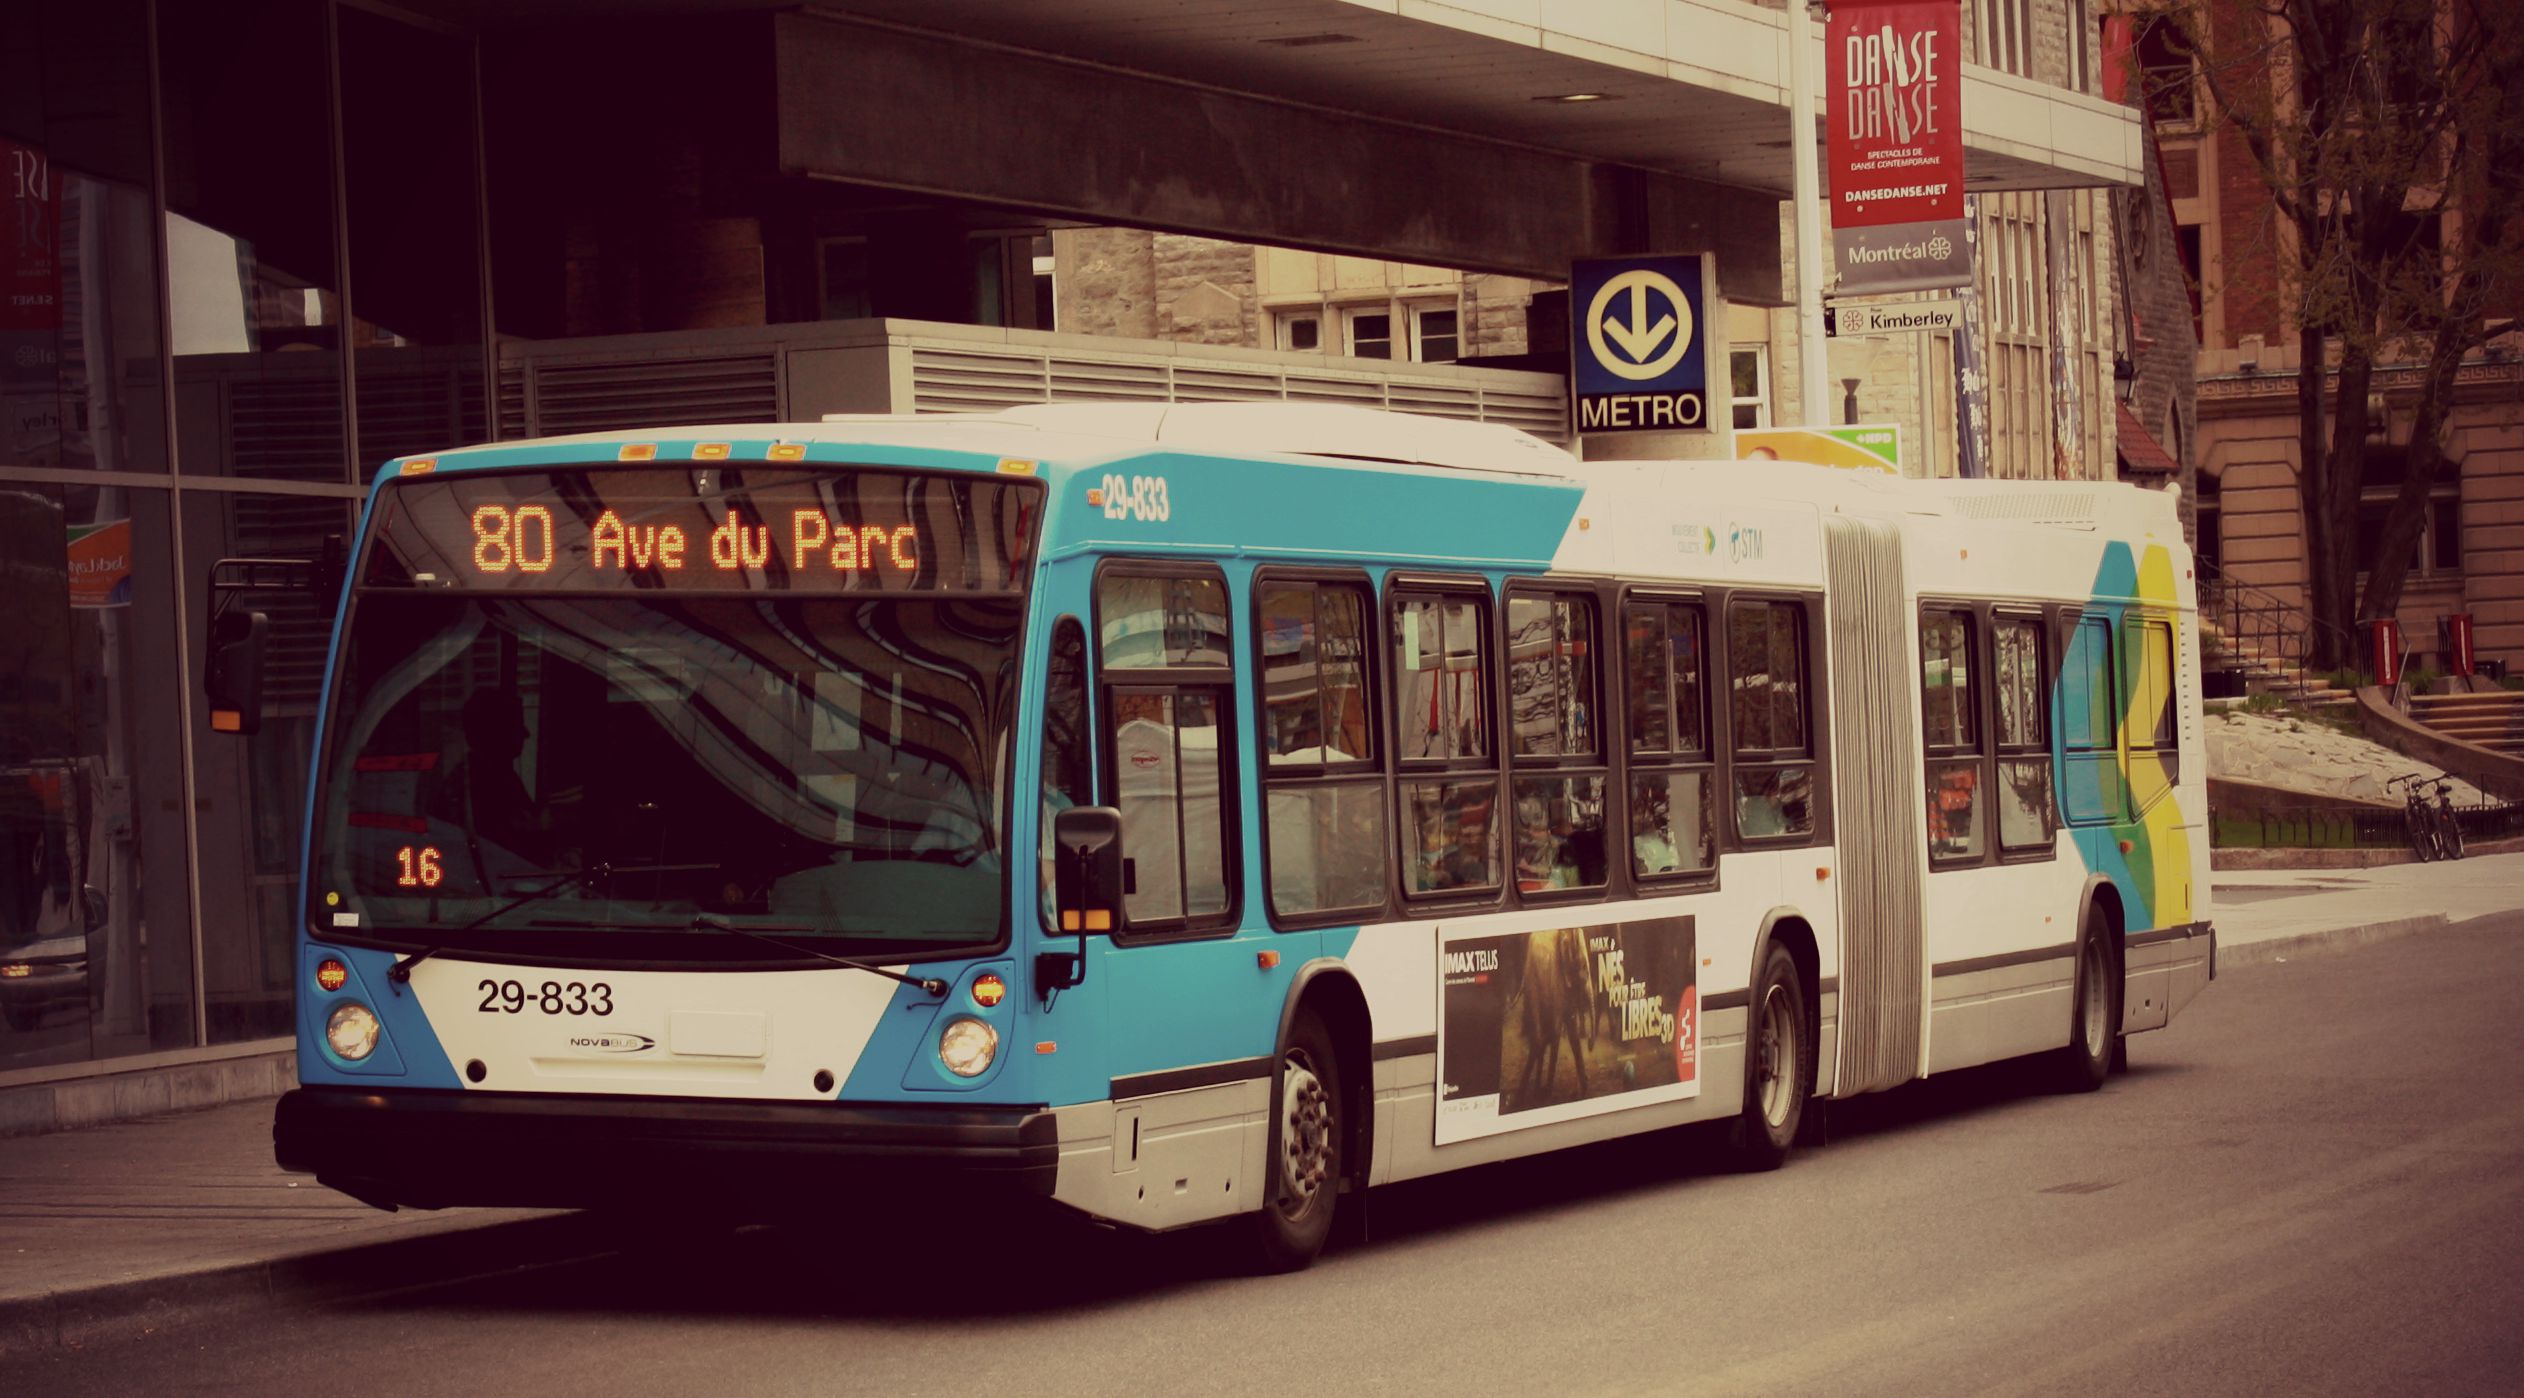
[1638, 338]
[1636, 341]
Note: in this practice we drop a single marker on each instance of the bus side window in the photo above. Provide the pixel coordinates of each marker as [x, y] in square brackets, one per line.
[1322, 781]
[1450, 786]
[2090, 784]
[2154, 755]
[1168, 675]
[1673, 792]
[1950, 726]
[1066, 755]
[1553, 714]
[2024, 737]
[1766, 703]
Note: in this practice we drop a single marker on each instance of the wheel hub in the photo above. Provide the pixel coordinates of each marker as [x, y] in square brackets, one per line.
[1305, 1134]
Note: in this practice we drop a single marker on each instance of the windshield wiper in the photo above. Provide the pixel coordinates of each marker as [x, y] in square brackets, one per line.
[401, 971]
[928, 984]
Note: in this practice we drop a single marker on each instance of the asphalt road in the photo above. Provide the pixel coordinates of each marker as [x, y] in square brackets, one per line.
[2313, 1183]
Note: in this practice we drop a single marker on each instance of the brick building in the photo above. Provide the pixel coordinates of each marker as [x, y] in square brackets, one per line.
[2471, 548]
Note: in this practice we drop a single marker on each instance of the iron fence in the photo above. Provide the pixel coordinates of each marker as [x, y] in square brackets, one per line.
[2335, 827]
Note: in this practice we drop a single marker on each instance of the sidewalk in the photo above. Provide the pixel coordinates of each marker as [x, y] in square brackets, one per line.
[2269, 914]
[117, 1230]
[122, 1229]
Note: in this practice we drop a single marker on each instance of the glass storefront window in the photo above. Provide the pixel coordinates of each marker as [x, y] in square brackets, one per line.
[79, 385]
[251, 792]
[257, 312]
[415, 244]
[95, 929]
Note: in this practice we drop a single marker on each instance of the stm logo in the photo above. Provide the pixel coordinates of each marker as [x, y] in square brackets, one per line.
[612, 1043]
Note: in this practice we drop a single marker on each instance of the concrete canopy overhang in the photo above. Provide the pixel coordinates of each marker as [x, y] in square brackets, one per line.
[1691, 88]
[1407, 130]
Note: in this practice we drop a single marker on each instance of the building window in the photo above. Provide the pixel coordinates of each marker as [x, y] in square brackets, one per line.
[1301, 331]
[2187, 243]
[2002, 35]
[1046, 298]
[2167, 82]
[1748, 384]
[2018, 295]
[1367, 334]
[841, 267]
[2438, 551]
[1436, 334]
[2081, 41]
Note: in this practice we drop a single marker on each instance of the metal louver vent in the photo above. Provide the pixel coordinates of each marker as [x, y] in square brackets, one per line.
[786, 373]
[1435, 400]
[669, 391]
[411, 408]
[285, 427]
[1087, 380]
[2076, 508]
[965, 381]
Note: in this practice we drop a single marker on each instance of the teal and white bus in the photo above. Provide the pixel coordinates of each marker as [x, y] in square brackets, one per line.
[1185, 812]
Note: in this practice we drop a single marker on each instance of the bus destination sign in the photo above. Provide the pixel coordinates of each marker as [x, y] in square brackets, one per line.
[716, 528]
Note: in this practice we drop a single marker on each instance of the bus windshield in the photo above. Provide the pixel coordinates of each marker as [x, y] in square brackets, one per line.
[546, 743]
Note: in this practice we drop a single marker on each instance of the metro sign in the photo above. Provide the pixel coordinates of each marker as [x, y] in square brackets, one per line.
[1640, 354]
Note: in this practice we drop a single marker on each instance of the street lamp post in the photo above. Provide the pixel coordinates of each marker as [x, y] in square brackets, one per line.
[1850, 357]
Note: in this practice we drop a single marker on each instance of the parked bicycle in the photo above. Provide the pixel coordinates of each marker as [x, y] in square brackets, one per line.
[2449, 826]
[2418, 818]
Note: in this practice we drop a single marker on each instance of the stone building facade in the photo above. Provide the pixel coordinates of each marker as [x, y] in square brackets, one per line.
[2471, 549]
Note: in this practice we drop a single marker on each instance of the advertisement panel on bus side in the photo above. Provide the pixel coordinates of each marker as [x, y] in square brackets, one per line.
[1565, 1022]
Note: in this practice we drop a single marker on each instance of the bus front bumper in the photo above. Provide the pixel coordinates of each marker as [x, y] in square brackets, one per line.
[436, 1149]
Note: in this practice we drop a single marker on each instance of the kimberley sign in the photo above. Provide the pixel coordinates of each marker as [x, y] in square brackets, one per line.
[1895, 79]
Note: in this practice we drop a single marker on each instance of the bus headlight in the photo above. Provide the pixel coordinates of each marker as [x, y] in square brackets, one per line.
[967, 1047]
[352, 1030]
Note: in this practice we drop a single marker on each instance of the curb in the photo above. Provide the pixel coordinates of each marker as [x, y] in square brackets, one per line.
[133, 1309]
[2270, 949]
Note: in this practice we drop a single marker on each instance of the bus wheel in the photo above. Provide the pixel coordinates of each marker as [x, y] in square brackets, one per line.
[1778, 1065]
[1304, 1180]
[2094, 1029]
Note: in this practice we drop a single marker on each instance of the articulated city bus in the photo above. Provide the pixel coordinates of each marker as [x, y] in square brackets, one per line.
[1200, 811]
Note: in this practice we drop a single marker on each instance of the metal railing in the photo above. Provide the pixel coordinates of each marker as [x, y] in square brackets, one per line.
[2282, 631]
[2337, 827]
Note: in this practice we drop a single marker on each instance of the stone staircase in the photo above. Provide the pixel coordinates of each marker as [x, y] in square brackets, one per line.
[2493, 719]
[2262, 670]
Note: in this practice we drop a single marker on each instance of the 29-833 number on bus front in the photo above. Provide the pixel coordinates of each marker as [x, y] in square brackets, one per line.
[551, 997]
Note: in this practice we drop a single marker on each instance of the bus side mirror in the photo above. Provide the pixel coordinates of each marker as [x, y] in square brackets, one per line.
[232, 673]
[1086, 888]
[1087, 870]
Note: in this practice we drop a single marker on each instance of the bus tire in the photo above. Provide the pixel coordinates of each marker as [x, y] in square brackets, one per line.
[1778, 1065]
[2094, 1022]
[1302, 1177]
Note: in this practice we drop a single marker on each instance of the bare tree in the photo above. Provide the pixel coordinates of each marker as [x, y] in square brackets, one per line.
[2390, 134]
